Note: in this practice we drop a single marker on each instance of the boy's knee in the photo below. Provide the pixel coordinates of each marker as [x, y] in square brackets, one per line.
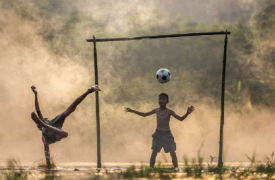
[62, 136]
[66, 134]
[44, 140]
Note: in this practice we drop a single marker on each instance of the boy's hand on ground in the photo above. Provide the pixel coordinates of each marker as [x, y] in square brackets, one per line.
[94, 88]
[34, 89]
[190, 109]
[128, 109]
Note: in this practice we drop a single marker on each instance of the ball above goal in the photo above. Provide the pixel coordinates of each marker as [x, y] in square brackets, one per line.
[163, 75]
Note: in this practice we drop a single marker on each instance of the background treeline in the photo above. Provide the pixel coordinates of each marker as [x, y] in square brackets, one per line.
[127, 69]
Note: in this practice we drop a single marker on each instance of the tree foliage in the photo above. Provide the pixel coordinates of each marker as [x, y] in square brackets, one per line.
[127, 69]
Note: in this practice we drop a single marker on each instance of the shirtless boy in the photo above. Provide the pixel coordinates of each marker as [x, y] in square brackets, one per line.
[51, 130]
[163, 138]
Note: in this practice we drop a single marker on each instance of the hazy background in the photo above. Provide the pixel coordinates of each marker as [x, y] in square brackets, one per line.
[43, 43]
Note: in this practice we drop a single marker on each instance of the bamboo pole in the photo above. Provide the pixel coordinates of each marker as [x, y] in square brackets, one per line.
[220, 162]
[97, 108]
[158, 36]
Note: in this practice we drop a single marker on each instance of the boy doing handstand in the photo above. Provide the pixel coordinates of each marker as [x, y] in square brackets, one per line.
[51, 130]
[163, 138]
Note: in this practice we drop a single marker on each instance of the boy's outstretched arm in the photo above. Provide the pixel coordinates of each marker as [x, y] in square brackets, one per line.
[73, 106]
[181, 118]
[140, 113]
[36, 103]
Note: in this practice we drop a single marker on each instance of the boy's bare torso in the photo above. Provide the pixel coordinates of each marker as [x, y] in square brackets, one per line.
[163, 119]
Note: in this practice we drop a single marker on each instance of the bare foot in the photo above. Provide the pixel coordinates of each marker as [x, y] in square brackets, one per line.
[94, 88]
[36, 119]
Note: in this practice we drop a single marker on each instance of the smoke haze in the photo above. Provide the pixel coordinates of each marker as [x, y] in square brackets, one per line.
[43, 44]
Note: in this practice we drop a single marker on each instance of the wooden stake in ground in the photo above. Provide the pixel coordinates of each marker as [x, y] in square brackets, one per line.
[97, 107]
[220, 163]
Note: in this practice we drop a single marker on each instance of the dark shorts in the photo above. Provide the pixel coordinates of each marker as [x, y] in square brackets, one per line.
[163, 139]
[57, 122]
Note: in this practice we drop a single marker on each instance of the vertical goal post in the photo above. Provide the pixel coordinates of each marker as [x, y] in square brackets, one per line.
[94, 40]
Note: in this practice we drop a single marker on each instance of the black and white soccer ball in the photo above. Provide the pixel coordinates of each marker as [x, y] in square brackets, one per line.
[163, 75]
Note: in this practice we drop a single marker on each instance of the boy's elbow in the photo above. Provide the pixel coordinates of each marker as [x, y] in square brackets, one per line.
[143, 114]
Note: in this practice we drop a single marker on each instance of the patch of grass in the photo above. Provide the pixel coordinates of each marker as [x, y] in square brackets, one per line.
[195, 169]
[239, 173]
[263, 168]
[15, 171]
[268, 167]
[215, 169]
[50, 177]
[159, 171]
[187, 168]
[251, 158]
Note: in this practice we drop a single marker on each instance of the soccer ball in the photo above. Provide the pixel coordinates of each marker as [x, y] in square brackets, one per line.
[163, 75]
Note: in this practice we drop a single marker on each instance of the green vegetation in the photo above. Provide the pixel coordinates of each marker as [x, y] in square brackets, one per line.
[195, 169]
[195, 62]
[267, 167]
[14, 171]
[159, 171]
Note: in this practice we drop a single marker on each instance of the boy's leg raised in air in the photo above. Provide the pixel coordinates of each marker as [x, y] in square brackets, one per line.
[153, 158]
[174, 158]
[73, 106]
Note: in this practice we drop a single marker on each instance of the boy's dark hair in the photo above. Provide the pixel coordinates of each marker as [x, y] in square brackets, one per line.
[164, 95]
